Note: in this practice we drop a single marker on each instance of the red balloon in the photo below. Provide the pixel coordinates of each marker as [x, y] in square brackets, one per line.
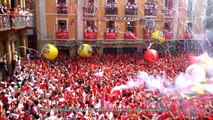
[151, 55]
[194, 60]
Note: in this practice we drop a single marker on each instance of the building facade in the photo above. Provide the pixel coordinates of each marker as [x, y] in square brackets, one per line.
[117, 23]
[13, 32]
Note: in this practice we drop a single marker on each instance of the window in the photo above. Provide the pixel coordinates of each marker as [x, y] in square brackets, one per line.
[131, 27]
[111, 27]
[90, 26]
[150, 8]
[62, 7]
[90, 3]
[90, 7]
[149, 26]
[167, 27]
[168, 7]
[62, 26]
[131, 7]
[111, 1]
[190, 8]
[111, 7]
[189, 28]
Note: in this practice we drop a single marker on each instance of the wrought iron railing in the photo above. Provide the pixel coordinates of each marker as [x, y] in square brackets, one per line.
[5, 22]
[91, 11]
[62, 10]
[9, 21]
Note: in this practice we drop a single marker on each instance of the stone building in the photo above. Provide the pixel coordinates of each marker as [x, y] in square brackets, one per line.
[116, 23]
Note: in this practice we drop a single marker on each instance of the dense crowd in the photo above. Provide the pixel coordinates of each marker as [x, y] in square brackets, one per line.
[68, 89]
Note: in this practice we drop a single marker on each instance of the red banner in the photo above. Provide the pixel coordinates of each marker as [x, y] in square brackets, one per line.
[187, 35]
[169, 35]
[62, 35]
[147, 35]
[129, 35]
[112, 35]
[90, 35]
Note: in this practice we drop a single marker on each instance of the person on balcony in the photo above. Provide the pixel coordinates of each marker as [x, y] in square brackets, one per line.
[90, 6]
[3, 9]
[94, 28]
[89, 29]
[64, 28]
[128, 7]
[62, 7]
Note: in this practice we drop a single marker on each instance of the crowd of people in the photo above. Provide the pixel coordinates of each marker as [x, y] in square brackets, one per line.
[13, 17]
[69, 89]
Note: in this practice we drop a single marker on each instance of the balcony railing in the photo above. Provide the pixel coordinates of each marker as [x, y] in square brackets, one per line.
[5, 22]
[187, 35]
[90, 35]
[8, 22]
[130, 35]
[90, 11]
[111, 35]
[168, 13]
[148, 33]
[62, 10]
[169, 35]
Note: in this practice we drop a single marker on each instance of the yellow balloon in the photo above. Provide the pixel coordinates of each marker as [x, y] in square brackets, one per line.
[158, 35]
[84, 50]
[198, 90]
[50, 52]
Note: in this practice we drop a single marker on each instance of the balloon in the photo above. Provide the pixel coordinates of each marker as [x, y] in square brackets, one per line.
[50, 52]
[151, 55]
[158, 35]
[195, 73]
[198, 89]
[85, 50]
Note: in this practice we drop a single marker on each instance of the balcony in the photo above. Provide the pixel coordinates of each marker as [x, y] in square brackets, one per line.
[8, 22]
[62, 10]
[150, 10]
[62, 35]
[131, 10]
[130, 35]
[169, 35]
[111, 35]
[168, 13]
[187, 35]
[147, 34]
[90, 35]
[111, 10]
[90, 11]
[5, 22]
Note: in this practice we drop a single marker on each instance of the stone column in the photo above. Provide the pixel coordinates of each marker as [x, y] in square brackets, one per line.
[13, 48]
[23, 46]
[9, 56]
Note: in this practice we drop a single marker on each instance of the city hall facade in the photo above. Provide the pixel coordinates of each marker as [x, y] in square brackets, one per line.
[116, 24]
